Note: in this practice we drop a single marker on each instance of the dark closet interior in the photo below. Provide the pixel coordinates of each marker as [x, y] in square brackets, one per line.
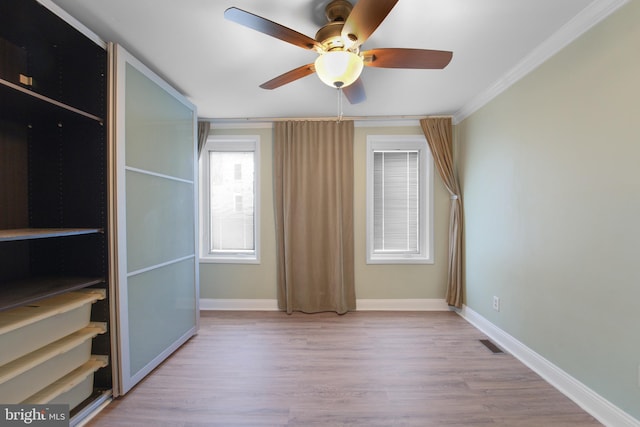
[53, 168]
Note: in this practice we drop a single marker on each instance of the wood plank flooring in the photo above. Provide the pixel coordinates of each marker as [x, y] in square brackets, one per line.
[360, 369]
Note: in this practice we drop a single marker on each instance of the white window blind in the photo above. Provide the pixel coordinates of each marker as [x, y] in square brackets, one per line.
[396, 208]
[399, 200]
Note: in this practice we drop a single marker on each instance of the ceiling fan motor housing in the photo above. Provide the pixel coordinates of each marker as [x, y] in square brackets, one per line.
[330, 36]
[338, 10]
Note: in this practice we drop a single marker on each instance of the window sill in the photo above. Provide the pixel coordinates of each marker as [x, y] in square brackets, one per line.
[229, 260]
[400, 260]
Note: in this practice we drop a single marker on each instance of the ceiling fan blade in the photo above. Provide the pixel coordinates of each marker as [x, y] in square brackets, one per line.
[365, 17]
[407, 58]
[289, 77]
[355, 92]
[270, 28]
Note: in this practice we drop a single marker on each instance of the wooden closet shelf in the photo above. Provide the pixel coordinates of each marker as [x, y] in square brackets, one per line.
[41, 233]
[30, 290]
[22, 100]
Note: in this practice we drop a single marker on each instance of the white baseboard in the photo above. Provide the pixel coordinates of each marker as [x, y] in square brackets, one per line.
[600, 408]
[361, 304]
[401, 305]
[238, 304]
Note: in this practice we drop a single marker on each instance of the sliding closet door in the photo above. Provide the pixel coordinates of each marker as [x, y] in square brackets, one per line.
[155, 218]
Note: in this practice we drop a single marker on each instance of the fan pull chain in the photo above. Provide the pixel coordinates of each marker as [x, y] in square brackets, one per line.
[340, 113]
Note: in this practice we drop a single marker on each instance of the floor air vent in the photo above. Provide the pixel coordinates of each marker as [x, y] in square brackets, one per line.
[491, 346]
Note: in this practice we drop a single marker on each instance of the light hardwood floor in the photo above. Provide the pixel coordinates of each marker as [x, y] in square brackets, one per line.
[361, 369]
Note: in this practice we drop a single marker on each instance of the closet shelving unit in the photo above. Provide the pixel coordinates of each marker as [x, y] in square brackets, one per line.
[53, 199]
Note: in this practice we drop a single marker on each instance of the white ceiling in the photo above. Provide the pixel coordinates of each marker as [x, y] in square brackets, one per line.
[219, 64]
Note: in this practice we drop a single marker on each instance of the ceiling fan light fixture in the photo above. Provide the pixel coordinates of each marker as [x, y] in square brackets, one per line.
[339, 68]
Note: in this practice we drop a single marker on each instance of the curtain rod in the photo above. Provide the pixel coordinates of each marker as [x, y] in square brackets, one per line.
[282, 119]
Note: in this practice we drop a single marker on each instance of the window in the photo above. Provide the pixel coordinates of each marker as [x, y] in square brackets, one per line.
[229, 192]
[399, 200]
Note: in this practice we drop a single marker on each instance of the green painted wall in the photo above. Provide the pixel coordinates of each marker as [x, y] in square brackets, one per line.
[246, 281]
[550, 171]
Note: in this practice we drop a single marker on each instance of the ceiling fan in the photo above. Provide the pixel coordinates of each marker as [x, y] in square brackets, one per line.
[338, 43]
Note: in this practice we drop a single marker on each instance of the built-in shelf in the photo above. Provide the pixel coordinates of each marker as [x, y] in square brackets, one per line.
[17, 100]
[15, 234]
[28, 291]
[54, 202]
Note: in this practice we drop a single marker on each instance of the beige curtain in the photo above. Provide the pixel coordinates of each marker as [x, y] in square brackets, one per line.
[438, 132]
[313, 190]
[203, 133]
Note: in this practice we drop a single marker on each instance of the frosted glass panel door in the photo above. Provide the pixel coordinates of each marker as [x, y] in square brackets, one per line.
[154, 217]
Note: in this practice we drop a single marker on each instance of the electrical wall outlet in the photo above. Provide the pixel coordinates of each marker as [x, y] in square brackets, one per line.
[496, 303]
